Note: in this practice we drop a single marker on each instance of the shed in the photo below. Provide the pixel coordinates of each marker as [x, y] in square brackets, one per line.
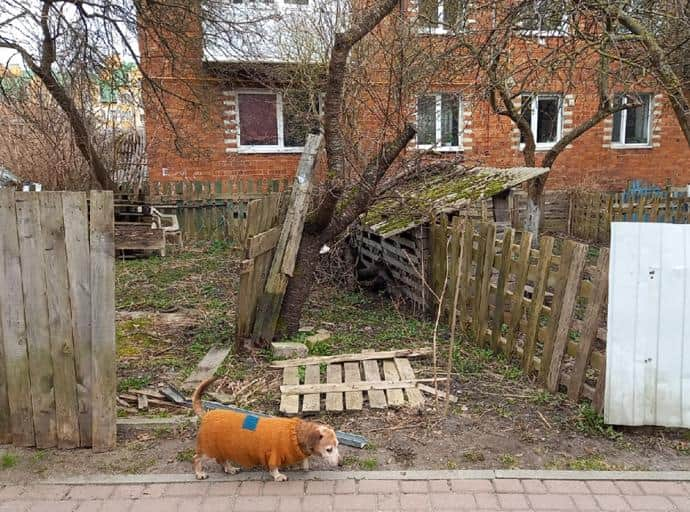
[393, 236]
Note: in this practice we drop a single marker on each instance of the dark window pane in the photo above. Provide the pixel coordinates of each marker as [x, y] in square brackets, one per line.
[637, 122]
[616, 134]
[450, 116]
[258, 120]
[451, 12]
[426, 120]
[300, 117]
[428, 13]
[543, 16]
[547, 124]
[526, 112]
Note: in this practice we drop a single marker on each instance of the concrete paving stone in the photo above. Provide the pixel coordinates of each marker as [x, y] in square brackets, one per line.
[54, 506]
[213, 504]
[317, 503]
[487, 501]
[687, 487]
[629, 488]
[388, 501]
[663, 488]
[154, 491]
[89, 506]
[90, 492]
[566, 487]
[256, 503]
[551, 502]
[49, 492]
[611, 502]
[345, 487]
[11, 492]
[290, 504]
[452, 501]
[649, 503]
[439, 486]
[289, 488]
[321, 487]
[513, 501]
[117, 505]
[14, 506]
[378, 486]
[190, 489]
[584, 502]
[251, 488]
[602, 487]
[128, 491]
[156, 505]
[419, 486]
[357, 502]
[418, 501]
[471, 486]
[508, 485]
[223, 488]
[682, 503]
[534, 487]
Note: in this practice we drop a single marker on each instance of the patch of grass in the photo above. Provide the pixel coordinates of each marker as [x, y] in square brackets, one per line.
[508, 461]
[591, 423]
[474, 456]
[588, 463]
[544, 397]
[8, 460]
[319, 348]
[452, 465]
[368, 464]
[133, 338]
[133, 383]
[186, 455]
[511, 372]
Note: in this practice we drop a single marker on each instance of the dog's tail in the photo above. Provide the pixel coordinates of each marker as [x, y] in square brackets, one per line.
[196, 397]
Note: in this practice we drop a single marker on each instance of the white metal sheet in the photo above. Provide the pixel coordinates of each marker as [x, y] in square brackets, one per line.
[648, 345]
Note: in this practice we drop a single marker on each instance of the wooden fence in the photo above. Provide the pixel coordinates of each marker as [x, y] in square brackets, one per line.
[57, 312]
[542, 308]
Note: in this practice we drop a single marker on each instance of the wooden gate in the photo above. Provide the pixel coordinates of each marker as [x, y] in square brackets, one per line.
[57, 312]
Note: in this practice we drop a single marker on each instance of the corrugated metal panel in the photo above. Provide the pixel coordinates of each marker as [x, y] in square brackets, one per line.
[648, 346]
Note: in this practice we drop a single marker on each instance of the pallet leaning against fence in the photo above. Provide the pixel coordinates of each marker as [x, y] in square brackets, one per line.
[57, 320]
[542, 308]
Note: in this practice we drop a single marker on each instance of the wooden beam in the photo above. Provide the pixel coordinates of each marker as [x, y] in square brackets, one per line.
[263, 242]
[344, 358]
[346, 387]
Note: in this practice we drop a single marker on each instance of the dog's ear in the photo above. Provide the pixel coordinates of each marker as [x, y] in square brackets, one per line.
[314, 437]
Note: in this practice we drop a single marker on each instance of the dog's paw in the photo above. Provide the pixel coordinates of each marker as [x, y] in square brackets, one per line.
[201, 475]
[230, 469]
[279, 477]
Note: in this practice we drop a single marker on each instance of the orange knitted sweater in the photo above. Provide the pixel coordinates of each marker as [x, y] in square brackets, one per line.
[249, 440]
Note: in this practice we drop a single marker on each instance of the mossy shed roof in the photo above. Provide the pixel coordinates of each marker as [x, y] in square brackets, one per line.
[418, 201]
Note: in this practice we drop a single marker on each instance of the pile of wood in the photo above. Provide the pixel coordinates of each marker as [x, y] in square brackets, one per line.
[143, 400]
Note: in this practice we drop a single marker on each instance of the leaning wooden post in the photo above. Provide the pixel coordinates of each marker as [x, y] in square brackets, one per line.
[285, 254]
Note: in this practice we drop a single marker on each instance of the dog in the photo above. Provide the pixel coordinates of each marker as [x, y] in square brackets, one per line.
[232, 437]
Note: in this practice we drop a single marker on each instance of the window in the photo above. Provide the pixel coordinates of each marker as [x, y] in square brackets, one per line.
[544, 112]
[631, 127]
[543, 18]
[438, 122]
[440, 16]
[276, 122]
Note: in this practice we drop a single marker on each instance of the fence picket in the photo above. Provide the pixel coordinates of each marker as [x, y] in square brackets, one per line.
[519, 291]
[499, 311]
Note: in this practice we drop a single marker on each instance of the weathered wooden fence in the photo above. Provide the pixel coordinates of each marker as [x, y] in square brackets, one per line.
[57, 312]
[542, 307]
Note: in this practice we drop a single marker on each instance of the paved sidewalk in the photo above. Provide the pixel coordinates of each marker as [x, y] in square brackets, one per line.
[350, 494]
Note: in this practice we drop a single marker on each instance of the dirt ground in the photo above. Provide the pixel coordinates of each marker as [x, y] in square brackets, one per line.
[172, 310]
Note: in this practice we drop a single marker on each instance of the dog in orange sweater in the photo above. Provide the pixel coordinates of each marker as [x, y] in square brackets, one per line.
[232, 437]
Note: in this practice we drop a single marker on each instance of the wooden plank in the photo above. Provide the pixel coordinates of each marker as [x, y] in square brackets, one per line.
[289, 404]
[36, 313]
[465, 271]
[545, 255]
[499, 310]
[591, 325]
[334, 375]
[566, 312]
[75, 212]
[478, 279]
[414, 396]
[390, 373]
[5, 417]
[517, 297]
[263, 242]
[483, 309]
[344, 358]
[598, 398]
[437, 392]
[207, 367]
[377, 398]
[59, 320]
[346, 387]
[311, 402]
[104, 382]
[353, 399]
[285, 254]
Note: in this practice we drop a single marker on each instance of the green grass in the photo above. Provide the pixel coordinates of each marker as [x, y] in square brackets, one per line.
[186, 455]
[133, 383]
[589, 463]
[368, 464]
[591, 423]
[508, 461]
[8, 460]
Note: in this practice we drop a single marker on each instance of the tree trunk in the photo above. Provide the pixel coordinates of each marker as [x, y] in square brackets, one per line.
[299, 286]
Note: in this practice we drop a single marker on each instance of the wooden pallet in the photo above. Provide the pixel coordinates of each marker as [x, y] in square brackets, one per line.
[385, 382]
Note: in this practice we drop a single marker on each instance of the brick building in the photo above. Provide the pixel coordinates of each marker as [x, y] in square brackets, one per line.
[230, 123]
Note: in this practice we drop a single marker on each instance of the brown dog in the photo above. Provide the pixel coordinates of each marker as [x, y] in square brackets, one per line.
[247, 440]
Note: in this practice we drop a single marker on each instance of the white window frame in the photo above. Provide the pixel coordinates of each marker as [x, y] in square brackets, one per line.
[624, 118]
[534, 120]
[439, 123]
[278, 148]
[440, 28]
[541, 34]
